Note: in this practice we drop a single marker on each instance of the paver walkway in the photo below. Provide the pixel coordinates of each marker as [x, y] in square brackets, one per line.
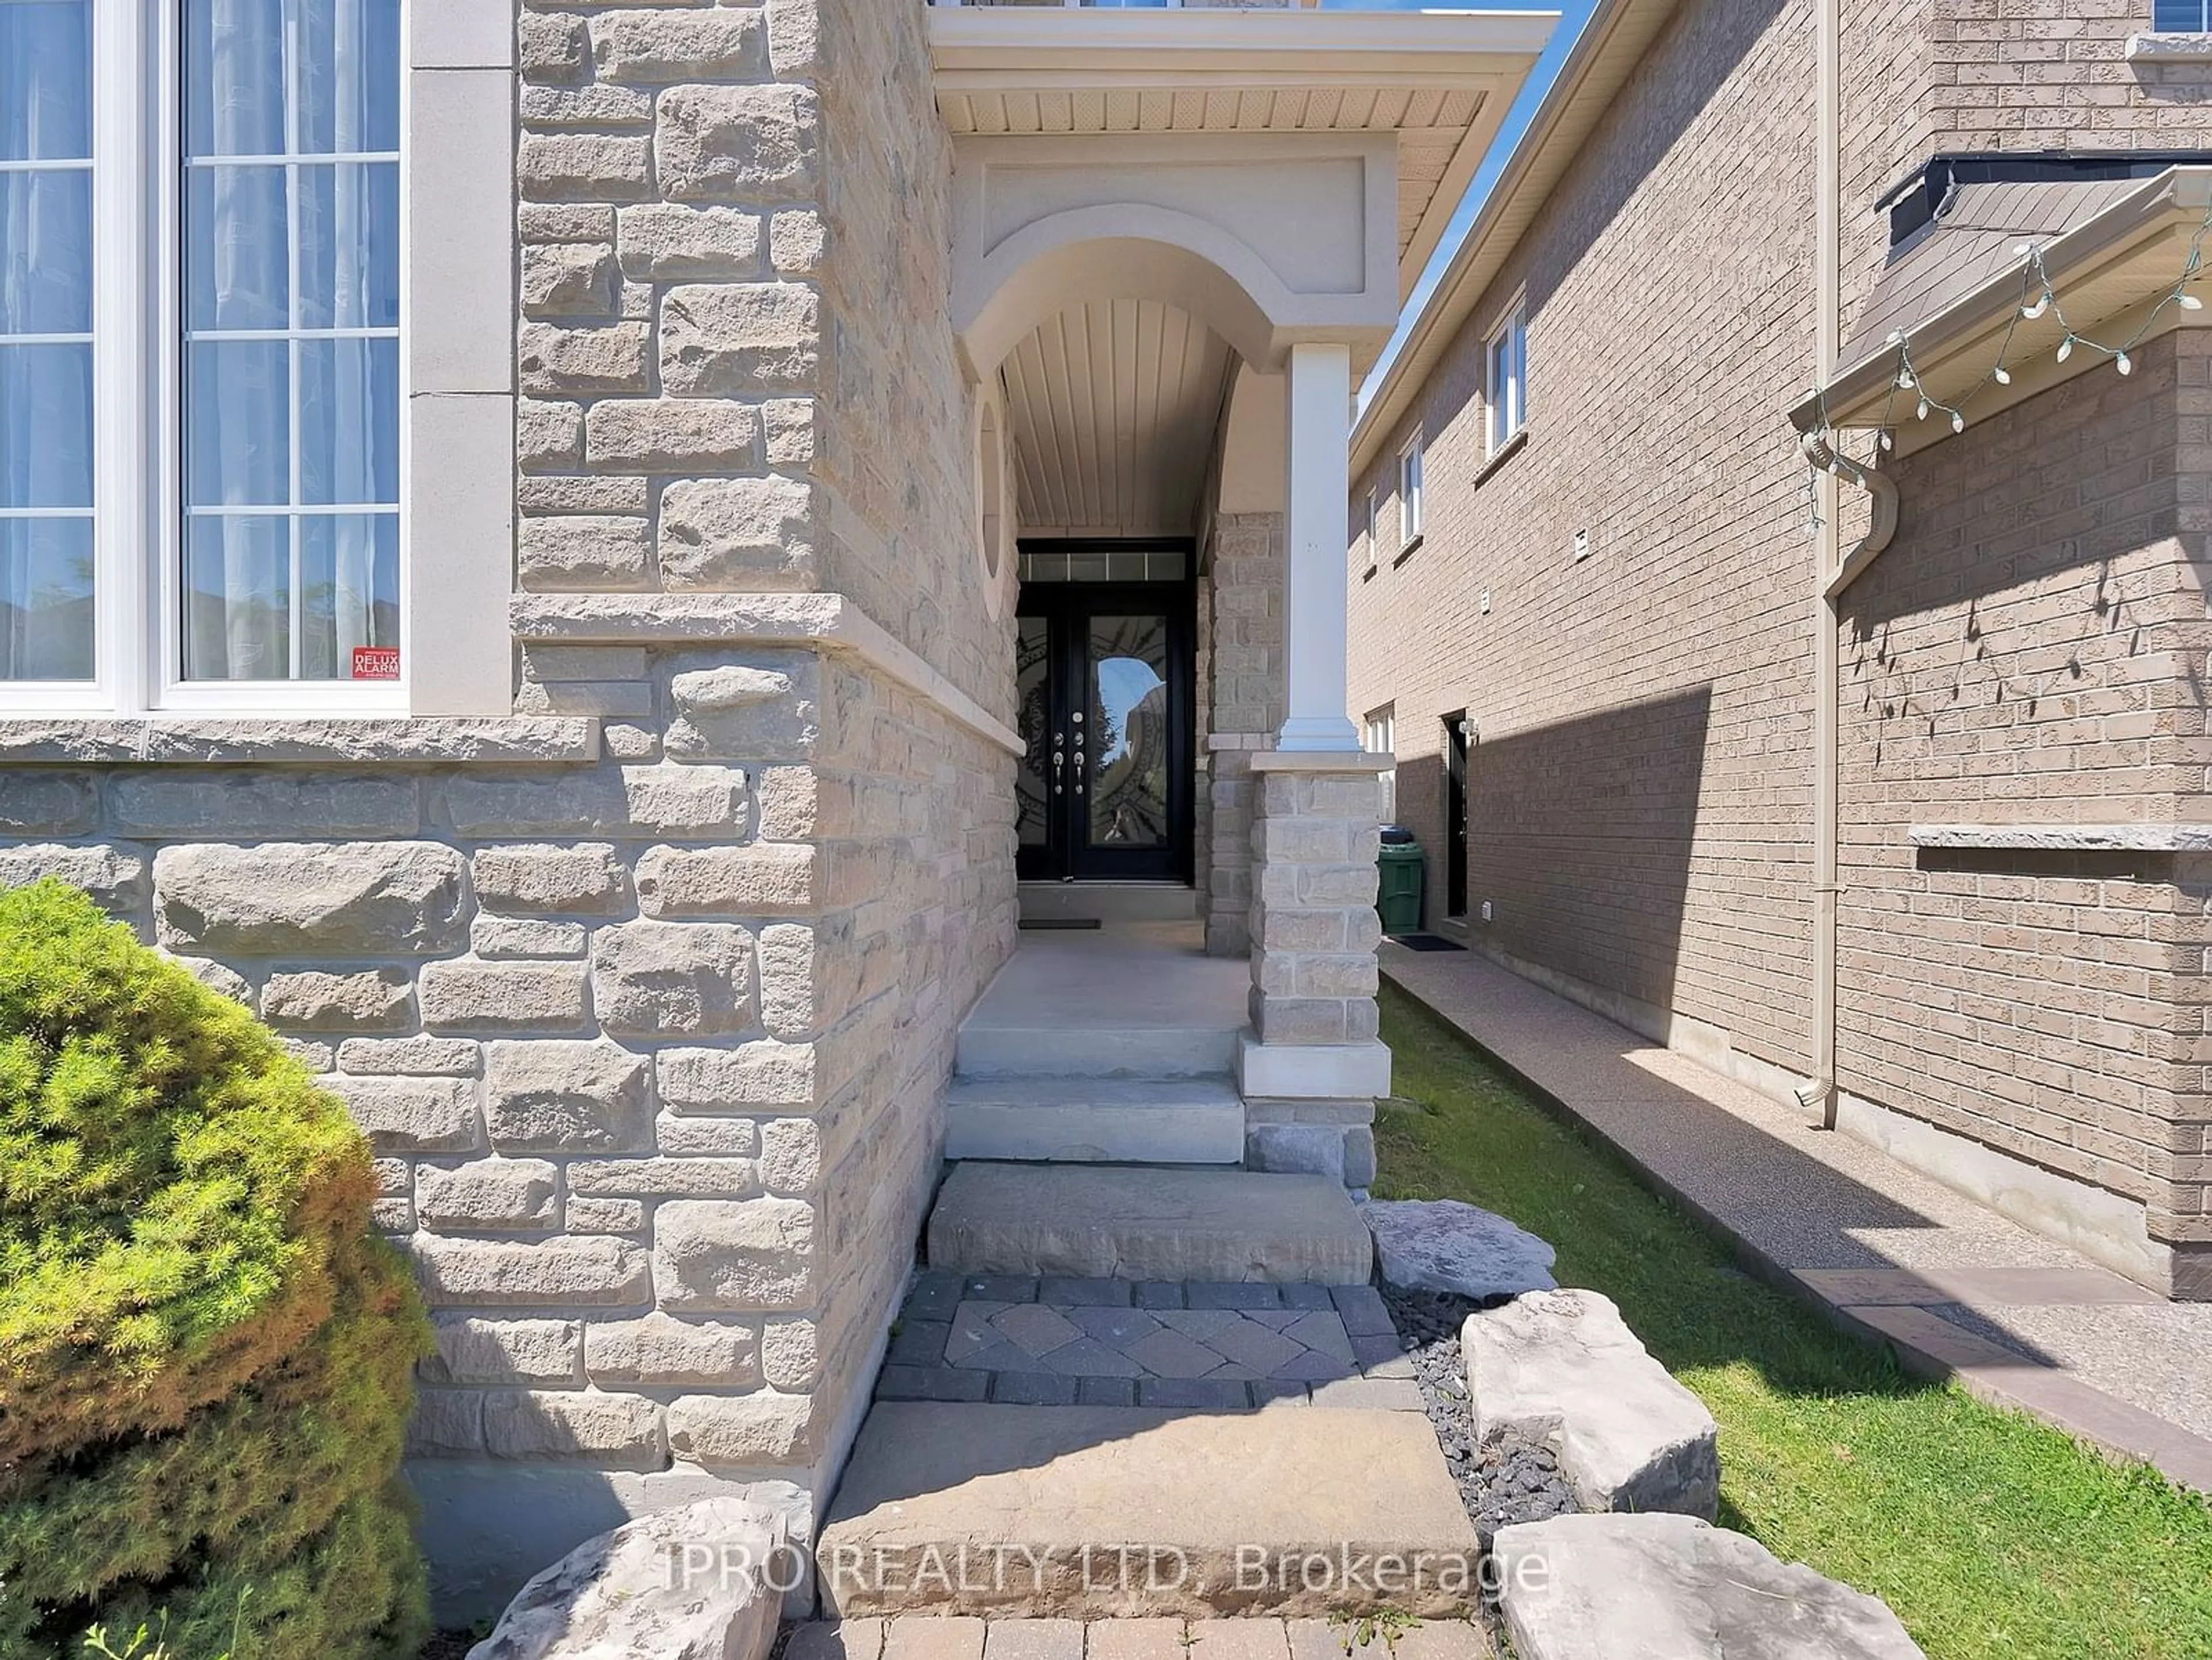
[1205, 1348]
[963, 1637]
[1956, 1287]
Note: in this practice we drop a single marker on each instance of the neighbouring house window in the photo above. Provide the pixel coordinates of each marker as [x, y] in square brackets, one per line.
[46, 389]
[1368, 528]
[2181, 16]
[1506, 380]
[1382, 739]
[1411, 509]
[279, 445]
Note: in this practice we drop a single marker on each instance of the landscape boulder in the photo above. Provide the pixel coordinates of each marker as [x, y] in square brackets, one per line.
[1562, 1367]
[697, 1582]
[1675, 1587]
[1441, 1244]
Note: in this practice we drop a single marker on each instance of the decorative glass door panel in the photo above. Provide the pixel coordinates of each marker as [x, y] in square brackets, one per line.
[1106, 685]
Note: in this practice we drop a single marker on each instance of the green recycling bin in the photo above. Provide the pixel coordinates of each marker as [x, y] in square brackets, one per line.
[1403, 871]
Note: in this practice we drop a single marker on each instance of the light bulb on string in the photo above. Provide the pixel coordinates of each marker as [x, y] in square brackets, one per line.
[2123, 363]
[2066, 349]
[1886, 441]
[1922, 415]
[2042, 304]
[1958, 421]
[2002, 375]
[2190, 302]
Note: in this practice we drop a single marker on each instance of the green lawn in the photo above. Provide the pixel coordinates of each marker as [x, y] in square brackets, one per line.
[1990, 1535]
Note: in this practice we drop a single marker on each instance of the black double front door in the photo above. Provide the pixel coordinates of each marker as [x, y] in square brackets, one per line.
[1107, 683]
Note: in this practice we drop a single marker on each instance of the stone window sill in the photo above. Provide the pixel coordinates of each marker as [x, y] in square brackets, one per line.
[1412, 546]
[2069, 838]
[2191, 48]
[1514, 445]
[517, 741]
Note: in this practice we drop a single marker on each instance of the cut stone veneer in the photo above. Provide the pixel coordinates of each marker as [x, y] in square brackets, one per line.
[1242, 626]
[647, 995]
[1312, 1067]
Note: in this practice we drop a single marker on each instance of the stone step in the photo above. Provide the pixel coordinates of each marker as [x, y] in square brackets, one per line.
[1129, 1121]
[1108, 901]
[1094, 1512]
[1068, 1050]
[1148, 1222]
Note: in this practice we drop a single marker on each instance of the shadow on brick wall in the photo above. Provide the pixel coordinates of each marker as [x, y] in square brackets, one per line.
[1579, 835]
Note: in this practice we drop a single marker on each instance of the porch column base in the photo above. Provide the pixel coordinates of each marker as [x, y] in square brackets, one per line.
[1312, 1072]
[1311, 1067]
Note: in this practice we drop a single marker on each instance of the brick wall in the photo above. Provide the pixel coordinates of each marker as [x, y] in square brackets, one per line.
[2023, 654]
[1640, 812]
[1640, 791]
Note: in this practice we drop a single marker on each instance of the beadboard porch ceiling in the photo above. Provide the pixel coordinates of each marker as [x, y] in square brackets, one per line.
[1113, 408]
[1440, 80]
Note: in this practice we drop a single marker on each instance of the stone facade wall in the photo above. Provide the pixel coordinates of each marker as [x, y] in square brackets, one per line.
[2020, 656]
[1241, 619]
[652, 1045]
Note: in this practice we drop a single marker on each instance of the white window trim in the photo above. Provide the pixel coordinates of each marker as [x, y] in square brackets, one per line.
[1370, 531]
[457, 382]
[1380, 737]
[1502, 424]
[1413, 494]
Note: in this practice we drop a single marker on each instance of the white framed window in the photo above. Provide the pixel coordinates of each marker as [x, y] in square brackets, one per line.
[1505, 379]
[1413, 506]
[201, 384]
[1382, 738]
[1370, 542]
[2181, 16]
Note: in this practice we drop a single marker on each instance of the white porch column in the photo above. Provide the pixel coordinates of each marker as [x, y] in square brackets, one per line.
[1314, 603]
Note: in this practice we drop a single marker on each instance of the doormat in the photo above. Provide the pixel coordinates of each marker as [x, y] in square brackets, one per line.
[1058, 924]
[1425, 942]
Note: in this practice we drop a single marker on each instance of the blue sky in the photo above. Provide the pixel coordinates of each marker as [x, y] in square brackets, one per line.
[1573, 15]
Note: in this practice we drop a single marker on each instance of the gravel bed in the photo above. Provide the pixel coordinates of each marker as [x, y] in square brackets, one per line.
[1503, 1478]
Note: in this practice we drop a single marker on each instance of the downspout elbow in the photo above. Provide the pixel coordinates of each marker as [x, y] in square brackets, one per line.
[1882, 498]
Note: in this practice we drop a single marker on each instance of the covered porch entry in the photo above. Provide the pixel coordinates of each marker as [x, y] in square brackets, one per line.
[1180, 237]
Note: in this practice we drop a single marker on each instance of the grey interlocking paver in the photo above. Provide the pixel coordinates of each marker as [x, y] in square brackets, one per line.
[1037, 1329]
[1369, 1393]
[1172, 1354]
[1117, 1327]
[1084, 1293]
[999, 1288]
[972, 1331]
[1322, 1333]
[1134, 1639]
[1311, 1366]
[1032, 1389]
[1306, 1297]
[1158, 1294]
[954, 1637]
[1002, 1356]
[934, 1295]
[1381, 1357]
[1273, 1318]
[1365, 1314]
[1204, 1325]
[920, 1342]
[1231, 1294]
[1252, 1346]
[1106, 1391]
[1239, 1639]
[1033, 1639]
[932, 1383]
[1087, 1357]
[835, 1639]
[1199, 1393]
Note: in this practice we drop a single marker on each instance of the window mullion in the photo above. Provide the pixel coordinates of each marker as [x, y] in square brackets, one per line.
[123, 482]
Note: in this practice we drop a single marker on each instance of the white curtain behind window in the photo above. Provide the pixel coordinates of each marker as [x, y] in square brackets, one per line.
[308, 421]
[45, 355]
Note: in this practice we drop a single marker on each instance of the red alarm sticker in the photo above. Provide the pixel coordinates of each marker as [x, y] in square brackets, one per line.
[376, 662]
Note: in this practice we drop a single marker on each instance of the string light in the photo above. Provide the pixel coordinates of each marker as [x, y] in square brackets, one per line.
[2039, 298]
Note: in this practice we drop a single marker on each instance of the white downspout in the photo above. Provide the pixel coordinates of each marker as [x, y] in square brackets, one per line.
[1818, 1092]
